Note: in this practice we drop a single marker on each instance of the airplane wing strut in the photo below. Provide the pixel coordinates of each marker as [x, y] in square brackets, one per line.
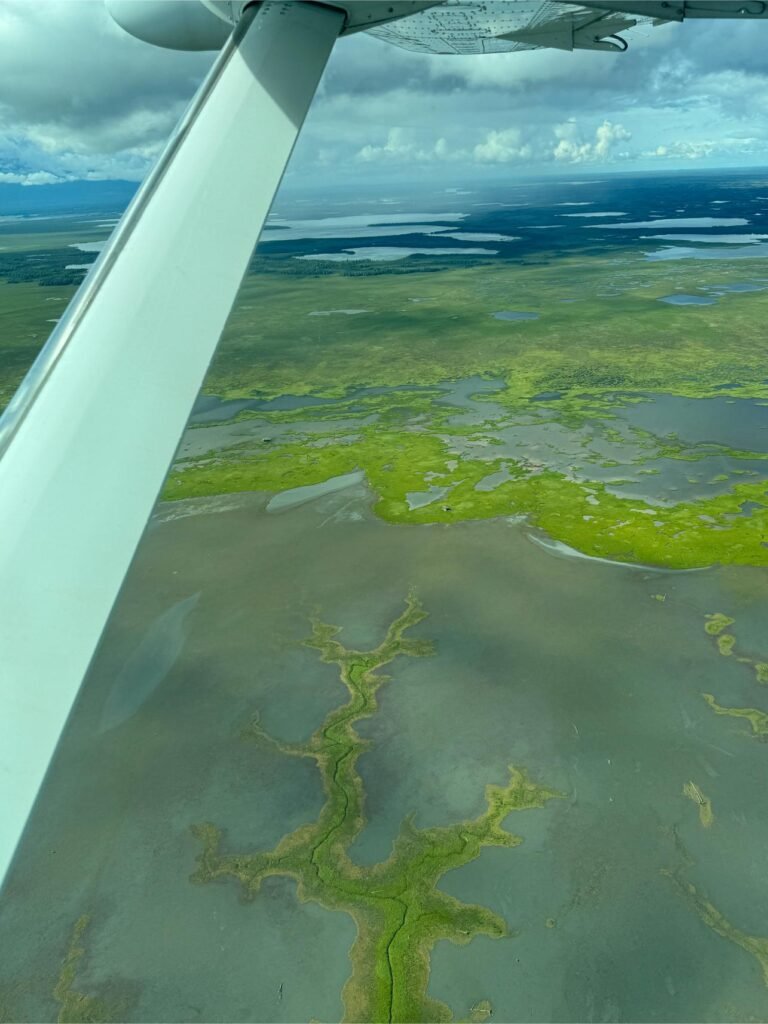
[86, 443]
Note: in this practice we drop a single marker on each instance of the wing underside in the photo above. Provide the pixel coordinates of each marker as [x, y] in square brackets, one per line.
[503, 26]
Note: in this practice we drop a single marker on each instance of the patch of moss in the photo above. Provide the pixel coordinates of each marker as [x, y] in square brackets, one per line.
[398, 909]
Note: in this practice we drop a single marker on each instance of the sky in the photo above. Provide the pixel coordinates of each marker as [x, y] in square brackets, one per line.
[81, 99]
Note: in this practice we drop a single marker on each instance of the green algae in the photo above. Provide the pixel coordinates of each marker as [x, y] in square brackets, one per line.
[76, 1007]
[756, 718]
[399, 912]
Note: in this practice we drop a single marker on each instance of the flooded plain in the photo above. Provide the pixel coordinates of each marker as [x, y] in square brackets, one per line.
[587, 674]
[659, 448]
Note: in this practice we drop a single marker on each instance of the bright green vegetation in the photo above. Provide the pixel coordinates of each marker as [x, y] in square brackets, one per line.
[75, 1007]
[587, 517]
[756, 718]
[725, 644]
[398, 910]
[704, 804]
[756, 945]
[717, 622]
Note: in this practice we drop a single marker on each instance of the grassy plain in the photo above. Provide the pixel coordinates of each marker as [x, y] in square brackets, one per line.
[615, 335]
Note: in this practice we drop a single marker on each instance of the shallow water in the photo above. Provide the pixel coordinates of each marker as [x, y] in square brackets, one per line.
[681, 252]
[688, 300]
[300, 495]
[420, 499]
[367, 225]
[565, 666]
[739, 287]
[596, 213]
[392, 252]
[722, 239]
[740, 423]
[493, 480]
[682, 222]
[332, 312]
[211, 409]
[507, 315]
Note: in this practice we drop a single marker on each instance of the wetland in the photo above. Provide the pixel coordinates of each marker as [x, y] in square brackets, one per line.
[437, 689]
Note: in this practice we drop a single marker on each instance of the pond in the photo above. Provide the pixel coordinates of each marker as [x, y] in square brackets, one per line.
[688, 300]
[511, 315]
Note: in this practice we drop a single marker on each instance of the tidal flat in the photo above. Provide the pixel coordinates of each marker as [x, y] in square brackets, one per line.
[586, 676]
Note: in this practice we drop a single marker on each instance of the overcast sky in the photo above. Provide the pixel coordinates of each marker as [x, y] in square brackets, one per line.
[79, 98]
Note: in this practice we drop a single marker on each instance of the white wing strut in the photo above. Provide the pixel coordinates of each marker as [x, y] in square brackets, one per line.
[87, 442]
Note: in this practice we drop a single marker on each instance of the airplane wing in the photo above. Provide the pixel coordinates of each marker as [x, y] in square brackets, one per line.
[504, 26]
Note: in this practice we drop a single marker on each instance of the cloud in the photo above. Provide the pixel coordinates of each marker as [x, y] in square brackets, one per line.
[81, 98]
[570, 148]
[691, 92]
[30, 178]
[400, 148]
[701, 149]
[501, 147]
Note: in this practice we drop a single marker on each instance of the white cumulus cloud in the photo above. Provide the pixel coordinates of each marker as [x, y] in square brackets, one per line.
[502, 147]
[571, 147]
